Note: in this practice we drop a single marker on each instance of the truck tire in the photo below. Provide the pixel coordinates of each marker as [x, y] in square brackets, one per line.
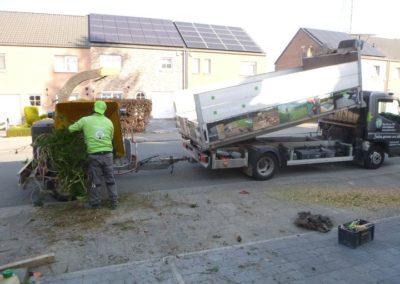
[264, 167]
[375, 158]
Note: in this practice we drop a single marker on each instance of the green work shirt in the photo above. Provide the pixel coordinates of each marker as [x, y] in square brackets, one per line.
[98, 131]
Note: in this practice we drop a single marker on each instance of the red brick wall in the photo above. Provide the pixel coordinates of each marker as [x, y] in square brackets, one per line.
[297, 48]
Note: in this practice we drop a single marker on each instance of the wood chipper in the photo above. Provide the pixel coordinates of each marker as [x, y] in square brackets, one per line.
[39, 174]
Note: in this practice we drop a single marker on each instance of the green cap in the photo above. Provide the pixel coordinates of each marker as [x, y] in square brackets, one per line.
[100, 107]
[8, 273]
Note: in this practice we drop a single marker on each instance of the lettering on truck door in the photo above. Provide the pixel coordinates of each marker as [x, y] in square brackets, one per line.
[387, 125]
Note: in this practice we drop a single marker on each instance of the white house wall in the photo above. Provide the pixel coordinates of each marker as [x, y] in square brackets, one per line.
[370, 79]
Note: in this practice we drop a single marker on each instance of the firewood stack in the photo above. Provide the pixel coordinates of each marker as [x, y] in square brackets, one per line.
[137, 115]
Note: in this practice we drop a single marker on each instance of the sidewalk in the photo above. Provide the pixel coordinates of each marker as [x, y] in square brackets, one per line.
[159, 130]
[306, 258]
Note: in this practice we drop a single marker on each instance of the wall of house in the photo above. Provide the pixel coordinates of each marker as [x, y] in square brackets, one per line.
[30, 71]
[393, 84]
[223, 66]
[372, 79]
[141, 71]
[300, 46]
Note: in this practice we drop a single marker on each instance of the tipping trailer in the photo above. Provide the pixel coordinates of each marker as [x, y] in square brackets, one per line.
[221, 126]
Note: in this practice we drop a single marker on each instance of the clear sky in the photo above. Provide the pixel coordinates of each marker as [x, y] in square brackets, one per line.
[271, 23]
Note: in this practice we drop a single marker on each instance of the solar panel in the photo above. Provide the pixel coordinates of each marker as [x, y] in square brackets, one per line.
[133, 30]
[159, 32]
[332, 39]
[216, 37]
[195, 44]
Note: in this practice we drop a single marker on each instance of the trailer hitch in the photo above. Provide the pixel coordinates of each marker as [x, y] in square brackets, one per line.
[155, 163]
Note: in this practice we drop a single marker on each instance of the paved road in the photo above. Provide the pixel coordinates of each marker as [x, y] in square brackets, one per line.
[13, 152]
[162, 138]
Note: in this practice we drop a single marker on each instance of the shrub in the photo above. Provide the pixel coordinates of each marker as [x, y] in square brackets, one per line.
[43, 116]
[65, 154]
[31, 114]
[18, 130]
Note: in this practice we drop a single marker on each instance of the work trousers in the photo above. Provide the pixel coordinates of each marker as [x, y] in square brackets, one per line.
[101, 165]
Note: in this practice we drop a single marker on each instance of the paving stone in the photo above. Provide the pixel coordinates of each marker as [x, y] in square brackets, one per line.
[276, 261]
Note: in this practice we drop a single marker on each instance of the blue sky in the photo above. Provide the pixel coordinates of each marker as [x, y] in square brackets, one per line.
[270, 23]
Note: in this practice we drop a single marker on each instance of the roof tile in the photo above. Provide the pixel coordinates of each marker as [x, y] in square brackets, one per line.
[37, 29]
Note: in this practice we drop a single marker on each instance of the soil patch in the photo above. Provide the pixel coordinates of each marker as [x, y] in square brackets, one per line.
[371, 198]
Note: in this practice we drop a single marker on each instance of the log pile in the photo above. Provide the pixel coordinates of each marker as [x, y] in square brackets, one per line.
[137, 114]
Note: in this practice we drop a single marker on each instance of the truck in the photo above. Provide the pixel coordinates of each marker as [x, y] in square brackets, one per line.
[225, 126]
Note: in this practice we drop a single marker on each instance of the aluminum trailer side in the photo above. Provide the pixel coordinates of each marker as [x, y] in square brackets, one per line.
[265, 103]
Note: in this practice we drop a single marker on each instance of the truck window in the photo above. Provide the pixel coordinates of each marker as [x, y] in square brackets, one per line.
[389, 109]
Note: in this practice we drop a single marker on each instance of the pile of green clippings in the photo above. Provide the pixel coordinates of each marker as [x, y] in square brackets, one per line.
[65, 158]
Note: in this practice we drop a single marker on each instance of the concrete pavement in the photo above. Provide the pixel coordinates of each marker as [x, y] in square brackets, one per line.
[300, 258]
[304, 258]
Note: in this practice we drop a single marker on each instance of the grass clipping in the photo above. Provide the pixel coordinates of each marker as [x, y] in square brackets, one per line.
[344, 198]
[62, 156]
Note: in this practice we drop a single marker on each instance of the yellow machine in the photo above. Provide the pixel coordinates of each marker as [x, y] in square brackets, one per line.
[69, 112]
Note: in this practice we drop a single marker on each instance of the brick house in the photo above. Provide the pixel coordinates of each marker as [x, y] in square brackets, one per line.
[40, 52]
[307, 42]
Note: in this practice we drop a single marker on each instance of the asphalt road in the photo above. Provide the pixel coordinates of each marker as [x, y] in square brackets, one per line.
[186, 175]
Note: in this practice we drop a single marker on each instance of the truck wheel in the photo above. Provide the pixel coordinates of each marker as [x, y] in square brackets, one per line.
[374, 158]
[265, 166]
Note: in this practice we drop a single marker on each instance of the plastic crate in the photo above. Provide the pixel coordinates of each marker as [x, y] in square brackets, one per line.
[353, 238]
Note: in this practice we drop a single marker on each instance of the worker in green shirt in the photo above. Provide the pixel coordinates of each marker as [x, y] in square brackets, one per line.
[98, 132]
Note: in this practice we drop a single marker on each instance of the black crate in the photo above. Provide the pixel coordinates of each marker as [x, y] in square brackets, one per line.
[354, 239]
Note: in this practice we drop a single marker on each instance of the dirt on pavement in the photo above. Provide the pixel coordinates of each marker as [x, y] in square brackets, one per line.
[162, 223]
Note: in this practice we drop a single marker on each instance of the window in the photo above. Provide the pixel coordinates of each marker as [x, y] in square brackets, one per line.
[112, 95]
[196, 65]
[389, 106]
[248, 68]
[166, 64]
[398, 73]
[2, 62]
[34, 100]
[67, 64]
[377, 71]
[140, 96]
[207, 66]
[111, 61]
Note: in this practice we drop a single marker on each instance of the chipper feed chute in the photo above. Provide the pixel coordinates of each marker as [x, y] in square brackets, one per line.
[69, 112]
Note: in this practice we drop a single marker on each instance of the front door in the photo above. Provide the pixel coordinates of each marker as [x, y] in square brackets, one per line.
[386, 125]
[10, 109]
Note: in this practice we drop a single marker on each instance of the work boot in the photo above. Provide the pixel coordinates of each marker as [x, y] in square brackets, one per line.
[90, 206]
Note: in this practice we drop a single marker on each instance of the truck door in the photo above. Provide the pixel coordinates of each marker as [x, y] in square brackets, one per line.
[384, 127]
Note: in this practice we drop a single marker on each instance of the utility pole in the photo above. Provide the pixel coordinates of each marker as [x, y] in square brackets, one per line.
[351, 16]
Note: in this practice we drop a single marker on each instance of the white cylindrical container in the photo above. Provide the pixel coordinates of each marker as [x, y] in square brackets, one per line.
[8, 277]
